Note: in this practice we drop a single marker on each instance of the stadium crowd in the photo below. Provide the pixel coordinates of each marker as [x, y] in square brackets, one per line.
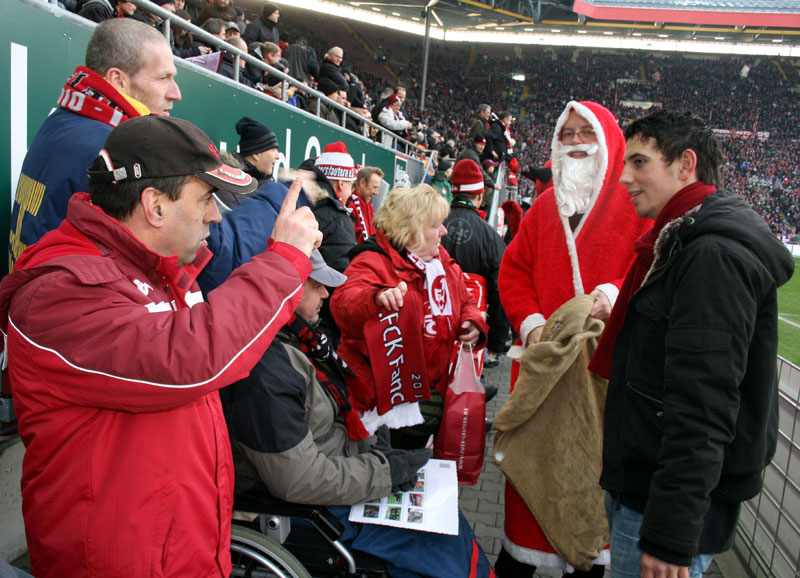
[733, 93]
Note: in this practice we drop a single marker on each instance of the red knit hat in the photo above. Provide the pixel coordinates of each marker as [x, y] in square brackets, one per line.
[467, 178]
[335, 162]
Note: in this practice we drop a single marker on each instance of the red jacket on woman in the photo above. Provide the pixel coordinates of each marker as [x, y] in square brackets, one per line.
[378, 267]
[115, 361]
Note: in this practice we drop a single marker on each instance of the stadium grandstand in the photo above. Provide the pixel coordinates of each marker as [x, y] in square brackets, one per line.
[736, 63]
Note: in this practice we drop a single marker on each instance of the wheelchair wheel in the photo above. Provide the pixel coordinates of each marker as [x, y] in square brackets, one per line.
[255, 555]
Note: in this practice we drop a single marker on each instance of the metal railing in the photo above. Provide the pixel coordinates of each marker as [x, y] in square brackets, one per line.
[169, 18]
[768, 536]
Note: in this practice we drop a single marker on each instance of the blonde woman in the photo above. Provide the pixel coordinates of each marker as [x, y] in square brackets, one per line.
[404, 282]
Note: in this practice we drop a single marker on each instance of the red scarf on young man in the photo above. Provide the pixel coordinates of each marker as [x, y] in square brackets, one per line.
[682, 202]
[88, 94]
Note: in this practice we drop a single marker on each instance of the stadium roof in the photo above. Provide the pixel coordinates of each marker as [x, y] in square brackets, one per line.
[711, 12]
[722, 26]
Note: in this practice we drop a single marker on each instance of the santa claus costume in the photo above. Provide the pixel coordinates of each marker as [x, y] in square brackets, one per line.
[557, 254]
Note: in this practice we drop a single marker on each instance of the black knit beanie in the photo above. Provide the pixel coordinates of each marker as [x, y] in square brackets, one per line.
[255, 136]
[268, 9]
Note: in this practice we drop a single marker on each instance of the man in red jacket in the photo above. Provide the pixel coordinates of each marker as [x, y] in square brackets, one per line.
[115, 359]
[577, 238]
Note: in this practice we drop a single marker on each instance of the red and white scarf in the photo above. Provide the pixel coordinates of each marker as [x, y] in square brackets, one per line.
[683, 201]
[88, 94]
[364, 227]
[436, 283]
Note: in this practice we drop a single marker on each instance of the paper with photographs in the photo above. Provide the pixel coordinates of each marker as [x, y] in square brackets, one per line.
[432, 506]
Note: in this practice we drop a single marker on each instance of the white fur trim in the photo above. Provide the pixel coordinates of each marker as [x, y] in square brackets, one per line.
[546, 559]
[530, 323]
[577, 281]
[602, 152]
[403, 415]
[610, 290]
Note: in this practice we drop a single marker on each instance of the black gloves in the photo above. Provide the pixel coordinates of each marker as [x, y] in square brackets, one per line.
[403, 464]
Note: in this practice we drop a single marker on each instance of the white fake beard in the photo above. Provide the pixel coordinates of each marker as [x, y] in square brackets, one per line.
[574, 193]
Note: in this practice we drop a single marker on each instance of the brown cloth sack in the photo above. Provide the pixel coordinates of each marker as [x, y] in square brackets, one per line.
[549, 442]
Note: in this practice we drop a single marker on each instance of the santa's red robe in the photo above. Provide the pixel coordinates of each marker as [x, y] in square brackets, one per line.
[547, 264]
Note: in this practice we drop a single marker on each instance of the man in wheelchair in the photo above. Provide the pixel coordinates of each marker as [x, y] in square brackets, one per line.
[295, 437]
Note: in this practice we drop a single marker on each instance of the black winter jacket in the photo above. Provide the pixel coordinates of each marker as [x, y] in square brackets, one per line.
[335, 224]
[261, 31]
[477, 248]
[691, 415]
[303, 63]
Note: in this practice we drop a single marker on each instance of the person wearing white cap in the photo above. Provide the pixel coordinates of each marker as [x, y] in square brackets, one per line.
[336, 174]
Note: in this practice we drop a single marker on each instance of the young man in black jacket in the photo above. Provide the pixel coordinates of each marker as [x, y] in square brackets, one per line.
[692, 410]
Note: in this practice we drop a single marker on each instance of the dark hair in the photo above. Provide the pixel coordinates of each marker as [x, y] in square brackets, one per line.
[119, 199]
[213, 26]
[504, 114]
[676, 131]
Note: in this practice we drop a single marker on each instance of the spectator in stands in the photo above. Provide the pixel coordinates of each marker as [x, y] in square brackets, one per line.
[472, 151]
[331, 66]
[215, 27]
[123, 266]
[337, 93]
[271, 53]
[110, 89]
[576, 238]
[392, 119]
[706, 364]
[335, 174]
[441, 180]
[499, 142]
[265, 29]
[153, 19]
[478, 250]
[448, 150]
[480, 123]
[355, 94]
[368, 184]
[303, 63]
[228, 64]
[222, 9]
[296, 437]
[232, 31]
[403, 272]
[258, 149]
[183, 45]
[102, 10]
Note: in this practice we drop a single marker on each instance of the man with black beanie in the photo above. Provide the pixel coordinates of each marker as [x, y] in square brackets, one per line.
[265, 29]
[258, 148]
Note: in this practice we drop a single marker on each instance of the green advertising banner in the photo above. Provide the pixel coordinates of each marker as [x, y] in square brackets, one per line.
[42, 44]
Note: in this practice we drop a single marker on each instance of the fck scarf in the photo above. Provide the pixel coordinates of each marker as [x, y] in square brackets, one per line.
[684, 200]
[436, 282]
[330, 370]
[88, 94]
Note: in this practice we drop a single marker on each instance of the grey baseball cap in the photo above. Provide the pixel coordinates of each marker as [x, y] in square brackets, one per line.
[324, 274]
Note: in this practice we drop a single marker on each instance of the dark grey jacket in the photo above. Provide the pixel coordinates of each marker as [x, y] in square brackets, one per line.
[286, 434]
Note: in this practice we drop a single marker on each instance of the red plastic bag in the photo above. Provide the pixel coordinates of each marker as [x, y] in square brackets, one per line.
[462, 433]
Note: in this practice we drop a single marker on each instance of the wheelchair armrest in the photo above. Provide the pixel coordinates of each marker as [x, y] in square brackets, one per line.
[263, 503]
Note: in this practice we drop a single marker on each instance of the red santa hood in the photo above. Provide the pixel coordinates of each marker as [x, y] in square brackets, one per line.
[610, 141]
